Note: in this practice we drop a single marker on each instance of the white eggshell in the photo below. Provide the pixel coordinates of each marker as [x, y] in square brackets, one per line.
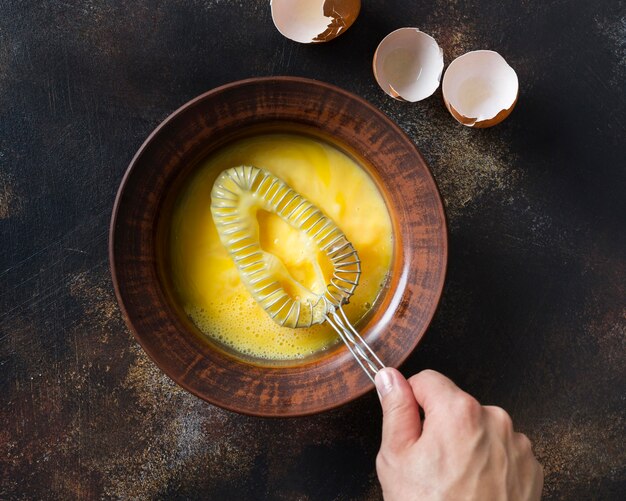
[314, 21]
[408, 64]
[480, 89]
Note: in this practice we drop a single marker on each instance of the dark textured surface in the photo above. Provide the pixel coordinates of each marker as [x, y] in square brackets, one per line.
[533, 315]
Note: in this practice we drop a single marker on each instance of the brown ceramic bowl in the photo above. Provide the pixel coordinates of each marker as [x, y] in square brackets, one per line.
[139, 230]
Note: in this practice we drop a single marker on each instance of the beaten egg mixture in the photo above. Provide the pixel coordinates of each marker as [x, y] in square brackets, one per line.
[206, 279]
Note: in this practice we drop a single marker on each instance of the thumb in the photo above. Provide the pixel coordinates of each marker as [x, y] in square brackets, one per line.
[401, 420]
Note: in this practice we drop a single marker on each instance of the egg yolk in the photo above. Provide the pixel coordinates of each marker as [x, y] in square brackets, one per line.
[206, 280]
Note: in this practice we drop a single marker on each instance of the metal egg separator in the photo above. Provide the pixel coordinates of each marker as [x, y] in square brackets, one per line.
[241, 187]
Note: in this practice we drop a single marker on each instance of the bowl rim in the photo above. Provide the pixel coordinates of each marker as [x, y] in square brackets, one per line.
[133, 164]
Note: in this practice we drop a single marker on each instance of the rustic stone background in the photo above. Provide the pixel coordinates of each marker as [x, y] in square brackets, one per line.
[533, 315]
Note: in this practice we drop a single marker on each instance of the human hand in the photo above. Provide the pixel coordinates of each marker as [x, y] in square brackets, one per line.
[462, 450]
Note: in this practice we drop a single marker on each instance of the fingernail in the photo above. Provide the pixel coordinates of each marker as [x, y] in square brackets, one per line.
[384, 382]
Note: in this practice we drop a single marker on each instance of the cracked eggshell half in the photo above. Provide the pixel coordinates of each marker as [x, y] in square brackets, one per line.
[408, 64]
[480, 89]
[314, 21]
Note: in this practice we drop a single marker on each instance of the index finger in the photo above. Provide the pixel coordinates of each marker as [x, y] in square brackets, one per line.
[432, 390]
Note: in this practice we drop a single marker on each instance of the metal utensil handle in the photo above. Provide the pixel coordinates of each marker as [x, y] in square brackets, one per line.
[361, 351]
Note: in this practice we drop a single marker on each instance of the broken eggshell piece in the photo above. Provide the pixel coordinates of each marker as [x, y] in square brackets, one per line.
[480, 89]
[314, 21]
[408, 64]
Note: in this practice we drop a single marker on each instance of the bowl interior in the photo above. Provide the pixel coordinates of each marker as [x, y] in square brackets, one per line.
[139, 230]
[369, 322]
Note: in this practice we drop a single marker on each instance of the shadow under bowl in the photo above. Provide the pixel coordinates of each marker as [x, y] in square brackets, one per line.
[138, 236]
